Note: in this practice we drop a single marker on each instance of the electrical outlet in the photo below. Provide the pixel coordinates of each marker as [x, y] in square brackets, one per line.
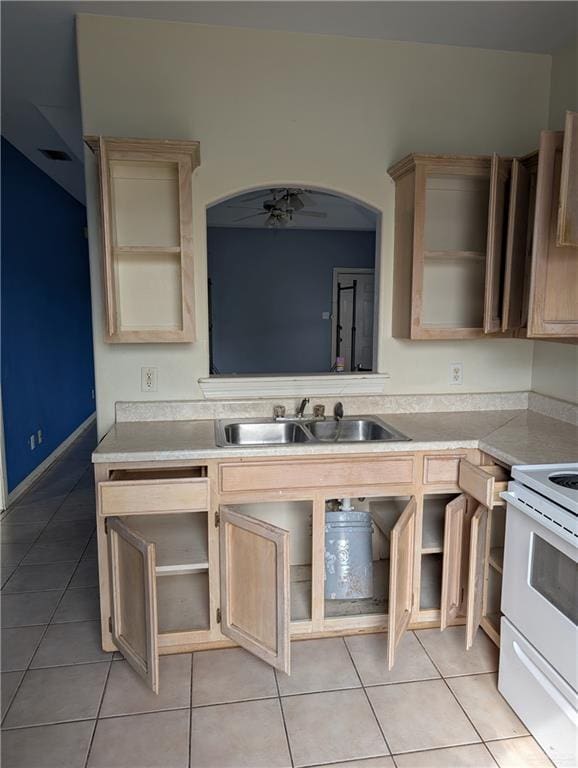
[39, 436]
[456, 373]
[32, 441]
[148, 379]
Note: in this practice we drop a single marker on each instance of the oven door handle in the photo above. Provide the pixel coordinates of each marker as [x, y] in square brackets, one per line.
[550, 689]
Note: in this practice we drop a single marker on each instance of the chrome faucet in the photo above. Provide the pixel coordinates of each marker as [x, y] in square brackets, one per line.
[338, 411]
[301, 410]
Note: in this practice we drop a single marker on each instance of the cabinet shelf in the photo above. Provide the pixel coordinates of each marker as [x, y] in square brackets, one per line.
[497, 558]
[180, 540]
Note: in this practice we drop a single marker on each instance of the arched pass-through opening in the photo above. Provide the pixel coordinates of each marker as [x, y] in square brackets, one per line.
[292, 282]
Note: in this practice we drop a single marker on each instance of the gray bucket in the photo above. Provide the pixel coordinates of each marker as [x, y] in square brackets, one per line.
[348, 555]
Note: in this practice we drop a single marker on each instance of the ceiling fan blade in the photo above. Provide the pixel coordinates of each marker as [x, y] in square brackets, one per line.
[311, 214]
[251, 216]
[307, 200]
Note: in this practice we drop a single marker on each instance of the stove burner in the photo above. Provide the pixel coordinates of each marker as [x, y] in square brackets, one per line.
[568, 480]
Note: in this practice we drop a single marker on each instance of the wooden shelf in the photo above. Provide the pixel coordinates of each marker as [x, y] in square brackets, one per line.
[131, 250]
[497, 558]
[443, 255]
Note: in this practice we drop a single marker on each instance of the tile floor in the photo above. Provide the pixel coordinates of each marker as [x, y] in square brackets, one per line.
[66, 704]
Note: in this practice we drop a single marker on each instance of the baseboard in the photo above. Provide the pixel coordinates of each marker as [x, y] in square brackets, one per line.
[25, 484]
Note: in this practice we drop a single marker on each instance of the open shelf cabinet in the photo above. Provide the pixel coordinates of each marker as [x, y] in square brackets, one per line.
[146, 207]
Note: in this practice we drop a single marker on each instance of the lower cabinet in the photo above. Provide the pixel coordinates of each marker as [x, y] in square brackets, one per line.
[252, 570]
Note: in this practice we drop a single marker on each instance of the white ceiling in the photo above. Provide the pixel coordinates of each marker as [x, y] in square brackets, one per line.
[339, 212]
[40, 101]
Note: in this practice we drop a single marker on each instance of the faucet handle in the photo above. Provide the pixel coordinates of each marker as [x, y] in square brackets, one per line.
[338, 410]
[319, 411]
[278, 411]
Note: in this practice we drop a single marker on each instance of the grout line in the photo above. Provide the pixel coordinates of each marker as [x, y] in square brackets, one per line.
[367, 695]
[98, 713]
[279, 699]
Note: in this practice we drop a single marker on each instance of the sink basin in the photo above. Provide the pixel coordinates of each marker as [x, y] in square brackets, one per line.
[261, 433]
[269, 432]
[353, 430]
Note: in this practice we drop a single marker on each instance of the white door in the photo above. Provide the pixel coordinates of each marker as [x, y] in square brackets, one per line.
[353, 329]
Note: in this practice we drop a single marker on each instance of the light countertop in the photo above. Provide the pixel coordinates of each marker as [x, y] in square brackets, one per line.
[513, 437]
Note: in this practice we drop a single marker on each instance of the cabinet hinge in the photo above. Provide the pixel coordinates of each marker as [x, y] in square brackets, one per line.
[217, 519]
[218, 615]
[110, 624]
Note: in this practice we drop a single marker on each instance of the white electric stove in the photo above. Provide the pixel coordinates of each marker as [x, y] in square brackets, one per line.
[539, 638]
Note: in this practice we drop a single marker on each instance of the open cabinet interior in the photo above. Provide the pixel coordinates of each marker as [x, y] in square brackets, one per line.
[181, 567]
[455, 235]
[295, 517]
[146, 245]
[385, 512]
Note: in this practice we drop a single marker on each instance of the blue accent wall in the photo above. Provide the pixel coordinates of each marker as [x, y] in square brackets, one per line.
[46, 336]
[268, 290]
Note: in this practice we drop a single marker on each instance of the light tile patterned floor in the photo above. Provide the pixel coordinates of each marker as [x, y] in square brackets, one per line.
[66, 704]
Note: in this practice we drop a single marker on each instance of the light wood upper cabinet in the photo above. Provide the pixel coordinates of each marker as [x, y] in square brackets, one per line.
[553, 296]
[567, 232]
[255, 599]
[449, 223]
[146, 207]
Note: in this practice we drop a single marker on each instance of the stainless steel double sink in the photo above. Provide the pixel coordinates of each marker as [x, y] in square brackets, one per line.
[350, 429]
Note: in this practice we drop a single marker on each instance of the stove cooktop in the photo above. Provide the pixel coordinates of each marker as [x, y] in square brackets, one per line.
[556, 482]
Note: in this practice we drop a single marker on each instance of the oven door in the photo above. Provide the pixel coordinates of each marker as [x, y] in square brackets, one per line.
[540, 589]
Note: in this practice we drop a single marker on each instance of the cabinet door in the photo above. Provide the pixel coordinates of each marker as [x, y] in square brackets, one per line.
[567, 233]
[455, 566]
[516, 247]
[476, 571]
[553, 304]
[255, 600]
[134, 600]
[402, 553]
[495, 245]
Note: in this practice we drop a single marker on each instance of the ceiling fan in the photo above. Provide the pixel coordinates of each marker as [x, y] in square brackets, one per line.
[281, 208]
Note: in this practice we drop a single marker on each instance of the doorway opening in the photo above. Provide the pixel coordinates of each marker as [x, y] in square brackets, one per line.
[291, 283]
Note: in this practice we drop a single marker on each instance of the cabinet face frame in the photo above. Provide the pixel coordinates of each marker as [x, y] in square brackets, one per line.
[136, 638]
[401, 574]
[554, 271]
[410, 245]
[251, 550]
[185, 155]
[567, 229]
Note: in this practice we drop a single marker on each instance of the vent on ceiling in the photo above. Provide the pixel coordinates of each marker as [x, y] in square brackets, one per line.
[55, 154]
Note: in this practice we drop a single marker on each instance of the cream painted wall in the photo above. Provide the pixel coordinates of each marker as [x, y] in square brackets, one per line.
[320, 111]
[555, 366]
